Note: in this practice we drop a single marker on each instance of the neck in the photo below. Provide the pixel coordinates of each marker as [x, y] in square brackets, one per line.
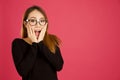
[27, 40]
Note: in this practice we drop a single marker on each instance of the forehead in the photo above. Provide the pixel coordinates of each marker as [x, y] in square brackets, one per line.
[37, 14]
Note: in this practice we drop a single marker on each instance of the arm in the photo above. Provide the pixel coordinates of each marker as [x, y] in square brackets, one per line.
[55, 60]
[23, 59]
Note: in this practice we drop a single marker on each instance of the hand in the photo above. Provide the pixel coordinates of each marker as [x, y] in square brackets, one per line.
[31, 34]
[42, 33]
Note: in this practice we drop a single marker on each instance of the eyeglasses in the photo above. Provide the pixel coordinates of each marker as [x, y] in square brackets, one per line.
[34, 21]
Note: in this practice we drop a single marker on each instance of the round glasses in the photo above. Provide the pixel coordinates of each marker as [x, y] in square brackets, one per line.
[34, 21]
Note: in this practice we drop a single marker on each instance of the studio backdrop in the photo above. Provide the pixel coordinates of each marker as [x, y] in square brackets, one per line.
[89, 30]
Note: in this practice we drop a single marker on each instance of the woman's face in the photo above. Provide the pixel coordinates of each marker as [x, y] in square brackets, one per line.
[36, 21]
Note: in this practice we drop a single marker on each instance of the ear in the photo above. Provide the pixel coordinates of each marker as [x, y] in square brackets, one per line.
[25, 23]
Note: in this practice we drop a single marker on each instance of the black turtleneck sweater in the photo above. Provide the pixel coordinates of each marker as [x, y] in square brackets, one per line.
[36, 62]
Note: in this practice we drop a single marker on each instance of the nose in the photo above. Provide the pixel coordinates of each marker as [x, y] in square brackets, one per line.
[38, 24]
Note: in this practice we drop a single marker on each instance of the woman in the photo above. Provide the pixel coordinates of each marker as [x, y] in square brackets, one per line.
[37, 55]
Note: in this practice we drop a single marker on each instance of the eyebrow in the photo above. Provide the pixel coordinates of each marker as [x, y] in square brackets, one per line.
[36, 18]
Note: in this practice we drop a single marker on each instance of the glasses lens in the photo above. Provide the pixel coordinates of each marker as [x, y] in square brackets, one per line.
[32, 22]
[42, 22]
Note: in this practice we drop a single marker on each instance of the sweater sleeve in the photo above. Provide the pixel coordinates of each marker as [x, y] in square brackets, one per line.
[23, 59]
[55, 60]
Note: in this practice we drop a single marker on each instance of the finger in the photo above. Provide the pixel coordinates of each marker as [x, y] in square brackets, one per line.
[33, 32]
[42, 32]
[31, 29]
[28, 31]
[44, 28]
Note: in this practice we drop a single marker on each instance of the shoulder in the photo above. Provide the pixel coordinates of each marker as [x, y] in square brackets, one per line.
[17, 41]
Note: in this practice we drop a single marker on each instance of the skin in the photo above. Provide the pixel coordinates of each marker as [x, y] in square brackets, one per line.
[32, 37]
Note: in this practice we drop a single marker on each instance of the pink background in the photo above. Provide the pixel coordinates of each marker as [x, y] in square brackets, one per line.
[89, 30]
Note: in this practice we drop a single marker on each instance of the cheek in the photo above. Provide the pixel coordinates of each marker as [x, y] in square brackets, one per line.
[42, 27]
[33, 27]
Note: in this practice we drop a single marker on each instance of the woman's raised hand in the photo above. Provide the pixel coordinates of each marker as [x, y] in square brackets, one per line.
[31, 34]
[42, 33]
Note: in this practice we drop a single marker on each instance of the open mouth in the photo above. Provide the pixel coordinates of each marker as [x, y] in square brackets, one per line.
[37, 33]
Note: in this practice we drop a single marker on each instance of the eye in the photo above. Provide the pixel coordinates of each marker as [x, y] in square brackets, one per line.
[42, 21]
[32, 20]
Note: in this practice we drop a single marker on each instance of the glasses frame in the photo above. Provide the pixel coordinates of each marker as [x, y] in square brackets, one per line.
[37, 21]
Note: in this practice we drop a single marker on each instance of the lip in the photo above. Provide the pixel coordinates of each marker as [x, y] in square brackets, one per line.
[37, 31]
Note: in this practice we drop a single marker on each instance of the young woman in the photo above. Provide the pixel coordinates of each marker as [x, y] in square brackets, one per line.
[37, 54]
